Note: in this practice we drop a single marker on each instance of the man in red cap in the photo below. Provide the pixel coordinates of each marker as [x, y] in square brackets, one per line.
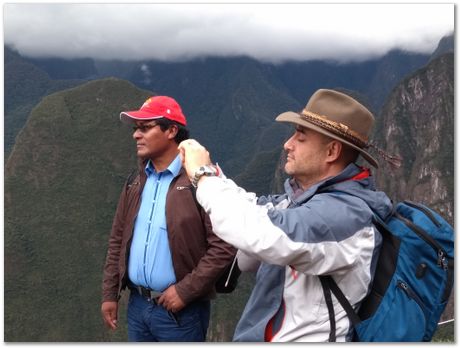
[161, 246]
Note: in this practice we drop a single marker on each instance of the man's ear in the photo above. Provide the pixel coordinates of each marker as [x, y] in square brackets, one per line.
[173, 130]
[334, 150]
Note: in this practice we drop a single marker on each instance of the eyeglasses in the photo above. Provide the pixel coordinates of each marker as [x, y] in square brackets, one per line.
[145, 127]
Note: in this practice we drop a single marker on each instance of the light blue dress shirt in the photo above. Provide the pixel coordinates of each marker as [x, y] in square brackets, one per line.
[150, 263]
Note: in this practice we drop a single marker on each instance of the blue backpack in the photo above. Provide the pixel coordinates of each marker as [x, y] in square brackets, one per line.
[412, 282]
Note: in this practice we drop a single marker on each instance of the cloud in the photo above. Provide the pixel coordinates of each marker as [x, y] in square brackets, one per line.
[268, 32]
[147, 73]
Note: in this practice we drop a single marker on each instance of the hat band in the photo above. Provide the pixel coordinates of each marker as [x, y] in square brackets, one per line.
[335, 127]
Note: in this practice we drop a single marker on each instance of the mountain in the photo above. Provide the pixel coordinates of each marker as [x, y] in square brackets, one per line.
[62, 183]
[390, 70]
[232, 99]
[25, 85]
[373, 78]
[230, 103]
[216, 89]
[69, 161]
[60, 68]
[417, 123]
[446, 45]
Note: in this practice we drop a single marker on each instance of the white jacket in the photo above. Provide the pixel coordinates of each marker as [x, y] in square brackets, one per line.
[327, 230]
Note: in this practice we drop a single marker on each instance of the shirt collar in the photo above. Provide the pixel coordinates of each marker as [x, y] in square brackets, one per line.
[297, 194]
[174, 167]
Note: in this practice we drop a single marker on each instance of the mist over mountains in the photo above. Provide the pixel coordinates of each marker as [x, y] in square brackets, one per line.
[68, 156]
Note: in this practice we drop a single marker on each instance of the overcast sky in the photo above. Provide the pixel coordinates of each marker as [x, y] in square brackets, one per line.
[268, 32]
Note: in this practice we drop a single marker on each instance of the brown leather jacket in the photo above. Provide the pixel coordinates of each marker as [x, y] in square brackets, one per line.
[198, 255]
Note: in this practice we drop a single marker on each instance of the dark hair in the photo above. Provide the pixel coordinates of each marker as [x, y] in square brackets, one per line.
[182, 132]
[350, 154]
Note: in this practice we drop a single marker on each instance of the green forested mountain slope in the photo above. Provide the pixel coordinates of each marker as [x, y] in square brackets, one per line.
[25, 85]
[62, 183]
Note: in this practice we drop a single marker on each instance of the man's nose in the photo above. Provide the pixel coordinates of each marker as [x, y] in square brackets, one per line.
[288, 144]
[137, 134]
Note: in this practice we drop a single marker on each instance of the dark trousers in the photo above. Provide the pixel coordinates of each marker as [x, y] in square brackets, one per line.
[149, 322]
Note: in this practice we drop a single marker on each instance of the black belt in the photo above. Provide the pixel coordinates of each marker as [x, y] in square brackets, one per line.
[150, 294]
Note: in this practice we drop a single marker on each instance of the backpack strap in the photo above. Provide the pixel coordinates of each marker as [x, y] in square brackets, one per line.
[328, 283]
[330, 306]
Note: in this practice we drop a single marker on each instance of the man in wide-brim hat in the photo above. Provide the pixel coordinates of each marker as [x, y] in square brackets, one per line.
[337, 116]
[321, 224]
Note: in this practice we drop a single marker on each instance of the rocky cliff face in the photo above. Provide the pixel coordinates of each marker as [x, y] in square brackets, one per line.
[417, 122]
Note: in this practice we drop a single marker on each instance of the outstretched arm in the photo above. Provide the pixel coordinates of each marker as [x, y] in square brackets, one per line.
[299, 237]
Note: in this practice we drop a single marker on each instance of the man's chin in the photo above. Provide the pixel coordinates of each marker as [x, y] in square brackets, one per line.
[288, 170]
[141, 155]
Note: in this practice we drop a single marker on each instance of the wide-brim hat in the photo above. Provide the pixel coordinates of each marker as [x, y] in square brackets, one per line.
[338, 116]
[154, 108]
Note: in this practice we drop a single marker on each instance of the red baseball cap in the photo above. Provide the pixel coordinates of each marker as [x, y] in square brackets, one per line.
[155, 108]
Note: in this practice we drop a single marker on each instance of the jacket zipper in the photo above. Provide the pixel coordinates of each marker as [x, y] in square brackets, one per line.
[129, 241]
[440, 252]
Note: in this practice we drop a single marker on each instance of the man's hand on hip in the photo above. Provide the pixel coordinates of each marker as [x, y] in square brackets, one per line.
[171, 300]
